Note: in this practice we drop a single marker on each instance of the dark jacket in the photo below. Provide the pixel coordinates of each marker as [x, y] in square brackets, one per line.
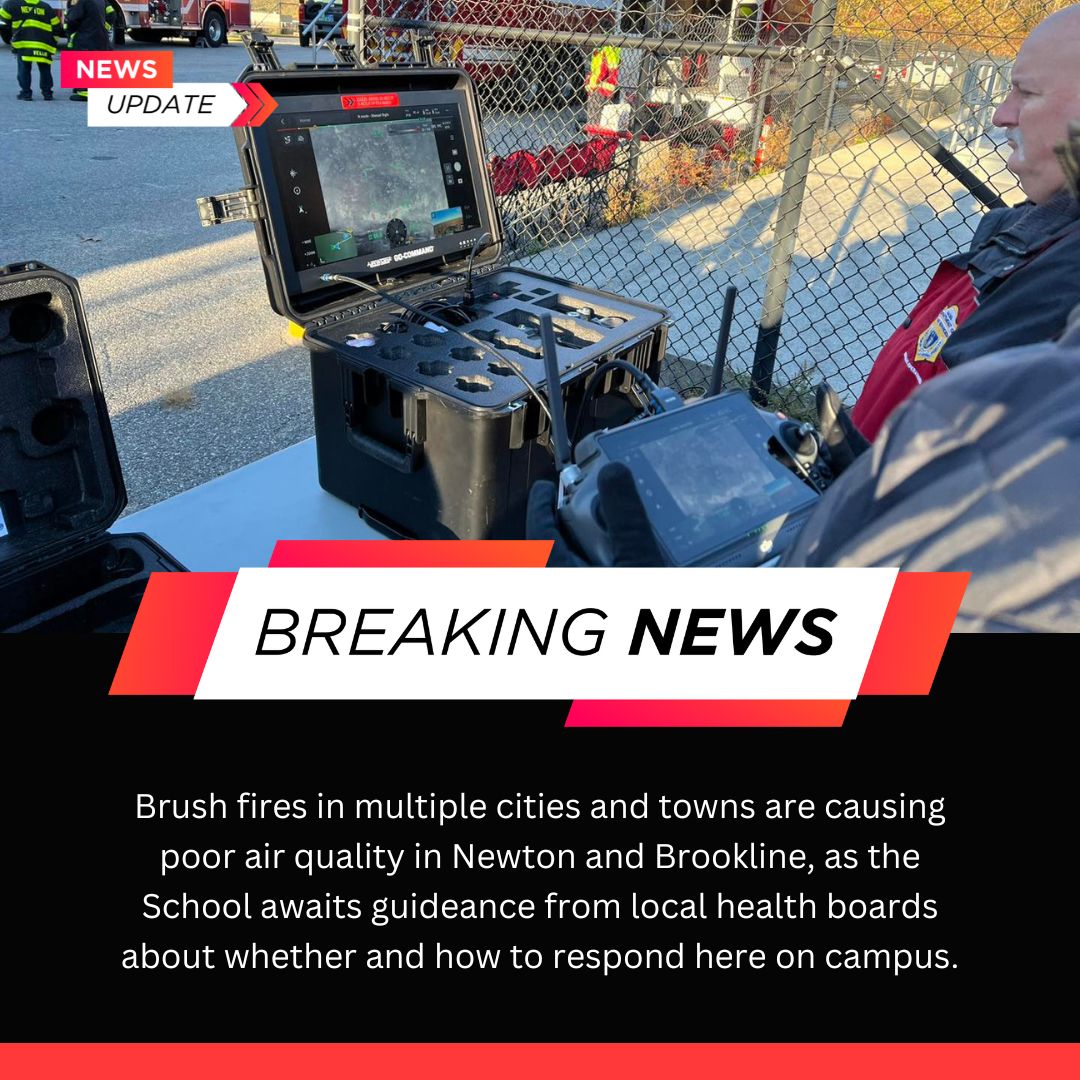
[1014, 285]
[978, 472]
[86, 26]
[1025, 265]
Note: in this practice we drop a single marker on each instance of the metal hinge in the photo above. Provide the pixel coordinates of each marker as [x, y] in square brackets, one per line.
[235, 206]
[260, 49]
[344, 53]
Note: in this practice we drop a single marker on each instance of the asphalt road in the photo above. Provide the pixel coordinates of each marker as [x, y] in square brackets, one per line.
[200, 375]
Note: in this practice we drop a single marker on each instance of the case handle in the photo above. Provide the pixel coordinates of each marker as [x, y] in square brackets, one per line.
[405, 461]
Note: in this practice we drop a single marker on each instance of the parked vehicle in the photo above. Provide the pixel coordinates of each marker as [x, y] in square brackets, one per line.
[924, 74]
[540, 74]
[932, 72]
[327, 23]
[206, 20]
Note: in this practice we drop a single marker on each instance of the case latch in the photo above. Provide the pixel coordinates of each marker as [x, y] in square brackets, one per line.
[236, 206]
[260, 49]
[344, 53]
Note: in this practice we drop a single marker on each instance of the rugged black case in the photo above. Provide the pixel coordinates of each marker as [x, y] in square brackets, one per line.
[427, 435]
[61, 487]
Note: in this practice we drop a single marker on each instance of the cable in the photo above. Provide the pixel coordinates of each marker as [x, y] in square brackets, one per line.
[451, 312]
[478, 342]
[468, 273]
[643, 380]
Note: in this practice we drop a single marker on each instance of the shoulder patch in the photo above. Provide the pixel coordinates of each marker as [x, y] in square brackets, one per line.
[932, 339]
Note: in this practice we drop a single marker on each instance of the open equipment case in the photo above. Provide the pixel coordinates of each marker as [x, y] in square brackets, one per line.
[380, 174]
[61, 486]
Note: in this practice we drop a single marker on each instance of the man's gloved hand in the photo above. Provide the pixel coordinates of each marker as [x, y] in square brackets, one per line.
[631, 535]
[844, 440]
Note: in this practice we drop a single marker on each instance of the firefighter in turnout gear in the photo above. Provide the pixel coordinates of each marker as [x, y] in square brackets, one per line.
[603, 82]
[90, 27]
[604, 72]
[34, 26]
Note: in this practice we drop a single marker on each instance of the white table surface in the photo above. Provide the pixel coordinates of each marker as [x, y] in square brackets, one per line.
[237, 519]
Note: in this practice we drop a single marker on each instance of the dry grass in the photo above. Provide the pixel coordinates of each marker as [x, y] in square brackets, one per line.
[667, 175]
[873, 127]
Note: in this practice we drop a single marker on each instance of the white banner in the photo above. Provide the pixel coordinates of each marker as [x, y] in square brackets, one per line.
[182, 105]
[598, 634]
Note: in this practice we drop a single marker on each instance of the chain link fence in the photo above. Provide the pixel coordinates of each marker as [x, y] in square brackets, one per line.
[821, 157]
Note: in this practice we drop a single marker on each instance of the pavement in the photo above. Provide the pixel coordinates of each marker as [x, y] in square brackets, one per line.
[202, 377]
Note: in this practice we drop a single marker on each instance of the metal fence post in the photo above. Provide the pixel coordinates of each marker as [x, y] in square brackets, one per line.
[804, 124]
[643, 92]
[354, 25]
[830, 105]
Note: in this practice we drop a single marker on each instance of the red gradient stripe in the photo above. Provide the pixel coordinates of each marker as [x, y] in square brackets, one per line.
[540, 1061]
[174, 629]
[415, 553]
[913, 633]
[707, 714]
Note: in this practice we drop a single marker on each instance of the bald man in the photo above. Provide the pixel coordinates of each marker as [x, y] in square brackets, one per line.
[1020, 278]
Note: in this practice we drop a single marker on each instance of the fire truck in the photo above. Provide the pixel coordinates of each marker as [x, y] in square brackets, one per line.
[208, 21]
[533, 72]
[539, 73]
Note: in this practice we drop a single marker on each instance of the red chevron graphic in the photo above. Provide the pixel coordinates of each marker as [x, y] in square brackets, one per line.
[269, 104]
[252, 105]
[258, 105]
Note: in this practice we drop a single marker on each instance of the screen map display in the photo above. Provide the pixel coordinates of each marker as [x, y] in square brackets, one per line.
[369, 191]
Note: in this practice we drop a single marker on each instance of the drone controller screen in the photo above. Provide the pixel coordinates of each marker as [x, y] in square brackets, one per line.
[707, 479]
[371, 184]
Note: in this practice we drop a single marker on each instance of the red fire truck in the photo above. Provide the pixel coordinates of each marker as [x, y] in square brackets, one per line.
[539, 72]
[208, 20]
[542, 72]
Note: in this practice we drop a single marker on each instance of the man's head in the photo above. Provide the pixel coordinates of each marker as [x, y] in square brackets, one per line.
[1044, 97]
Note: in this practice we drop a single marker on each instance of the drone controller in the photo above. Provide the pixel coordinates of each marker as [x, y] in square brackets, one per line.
[722, 482]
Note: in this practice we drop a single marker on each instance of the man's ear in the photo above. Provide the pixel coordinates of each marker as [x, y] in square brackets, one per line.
[1068, 153]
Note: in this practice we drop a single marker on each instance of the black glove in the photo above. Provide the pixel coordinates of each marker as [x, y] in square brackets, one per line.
[844, 440]
[632, 540]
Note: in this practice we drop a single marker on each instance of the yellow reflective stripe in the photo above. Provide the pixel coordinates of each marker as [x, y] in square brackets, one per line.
[33, 45]
[36, 59]
[4, 14]
[37, 25]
